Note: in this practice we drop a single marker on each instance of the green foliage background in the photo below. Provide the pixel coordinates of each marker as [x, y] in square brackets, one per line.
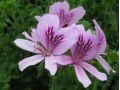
[17, 16]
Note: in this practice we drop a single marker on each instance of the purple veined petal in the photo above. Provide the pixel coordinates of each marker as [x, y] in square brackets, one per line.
[91, 69]
[27, 36]
[48, 20]
[81, 30]
[37, 18]
[91, 52]
[33, 60]
[47, 23]
[101, 38]
[26, 45]
[69, 39]
[104, 64]
[50, 65]
[61, 9]
[82, 76]
[86, 46]
[76, 14]
[57, 7]
[62, 60]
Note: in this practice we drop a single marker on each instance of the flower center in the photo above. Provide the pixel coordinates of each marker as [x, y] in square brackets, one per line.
[42, 50]
[65, 25]
[51, 40]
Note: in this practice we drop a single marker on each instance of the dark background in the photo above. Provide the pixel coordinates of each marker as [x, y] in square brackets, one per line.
[17, 16]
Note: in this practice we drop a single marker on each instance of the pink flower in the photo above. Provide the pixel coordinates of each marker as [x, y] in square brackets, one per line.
[82, 52]
[48, 42]
[67, 17]
[101, 48]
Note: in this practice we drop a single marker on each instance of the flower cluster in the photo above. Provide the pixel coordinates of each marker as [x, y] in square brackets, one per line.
[56, 33]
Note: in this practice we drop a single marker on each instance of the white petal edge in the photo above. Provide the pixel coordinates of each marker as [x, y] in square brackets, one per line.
[82, 76]
[27, 35]
[104, 64]
[26, 45]
[50, 65]
[91, 69]
[30, 61]
[37, 18]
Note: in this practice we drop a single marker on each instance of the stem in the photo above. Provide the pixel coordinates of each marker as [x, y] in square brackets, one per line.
[95, 85]
[53, 83]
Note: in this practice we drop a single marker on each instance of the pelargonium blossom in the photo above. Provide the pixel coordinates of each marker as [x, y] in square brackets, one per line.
[48, 42]
[82, 53]
[101, 48]
[66, 16]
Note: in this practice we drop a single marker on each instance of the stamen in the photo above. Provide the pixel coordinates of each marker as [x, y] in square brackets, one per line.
[40, 48]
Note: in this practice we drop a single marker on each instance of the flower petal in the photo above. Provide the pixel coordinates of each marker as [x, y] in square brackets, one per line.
[81, 30]
[62, 60]
[30, 61]
[61, 9]
[27, 36]
[70, 38]
[55, 8]
[90, 53]
[47, 21]
[82, 76]
[101, 38]
[26, 45]
[37, 18]
[50, 65]
[35, 35]
[77, 14]
[104, 64]
[94, 71]
[86, 46]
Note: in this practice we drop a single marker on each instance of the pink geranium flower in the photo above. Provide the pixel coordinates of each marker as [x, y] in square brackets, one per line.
[48, 42]
[101, 48]
[82, 52]
[66, 16]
